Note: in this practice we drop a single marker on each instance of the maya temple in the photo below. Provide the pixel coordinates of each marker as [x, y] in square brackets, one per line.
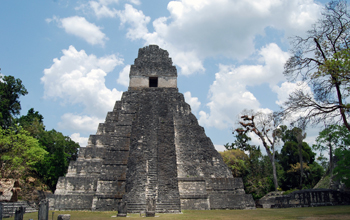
[150, 146]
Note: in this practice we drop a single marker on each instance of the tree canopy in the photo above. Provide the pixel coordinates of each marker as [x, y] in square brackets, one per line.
[265, 126]
[10, 91]
[26, 148]
[19, 153]
[321, 60]
[342, 170]
[60, 149]
[289, 159]
[331, 138]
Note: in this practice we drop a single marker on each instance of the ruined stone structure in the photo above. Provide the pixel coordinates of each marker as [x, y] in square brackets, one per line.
[304, 198]
[150, 147]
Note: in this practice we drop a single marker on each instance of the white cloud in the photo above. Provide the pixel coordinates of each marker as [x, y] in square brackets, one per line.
[228, 28]
[188, 62]
[103, 8]
[228, 97]
[49, 20]
[81, 28]
[82, 123]
[193, 101]
[78, 78]
[210, 28]
[136, 19]
[81, 140]
[288, 88]
[124, 76]
[229, 94]
[219, 147]
[135, 2]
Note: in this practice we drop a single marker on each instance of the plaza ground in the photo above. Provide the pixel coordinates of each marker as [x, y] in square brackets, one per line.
[310, 213]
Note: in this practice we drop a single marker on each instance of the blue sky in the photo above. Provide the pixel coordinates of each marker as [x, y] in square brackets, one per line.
[74, 56]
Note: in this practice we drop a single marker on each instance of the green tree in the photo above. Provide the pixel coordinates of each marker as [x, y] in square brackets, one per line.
[300, 136]
[32, 122]
[28, 146]
[236, 160]
[19, 153]
[241, 142]
[266, 127]
[10, 91]
[290, 162]
[61, 150]
[255, 170]
[259, 179]
[342, 170]
[331, 138]
[339, 66]
[321, 60]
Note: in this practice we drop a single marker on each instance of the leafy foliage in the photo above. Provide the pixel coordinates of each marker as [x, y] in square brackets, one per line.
[259, 179]
[321, 60]
[334, 135]
[289, 160]
[236, 160]
[61, 150]
[241, 142]
[20, 153]
[10, 91]
[342, 170]
[27, 147]
[32, 122]
[331, 138]
[255, 169]
[339, 66]
[265, 126]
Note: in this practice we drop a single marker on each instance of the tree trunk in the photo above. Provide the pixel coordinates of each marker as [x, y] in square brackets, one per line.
[301, 166]
[274, 173]
[330, 163]
[340, 100]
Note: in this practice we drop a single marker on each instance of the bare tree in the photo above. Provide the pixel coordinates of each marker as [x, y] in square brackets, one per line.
[322, 61]
[265, 126]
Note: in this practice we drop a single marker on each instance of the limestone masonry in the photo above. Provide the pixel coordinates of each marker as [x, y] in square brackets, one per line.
[150, 147]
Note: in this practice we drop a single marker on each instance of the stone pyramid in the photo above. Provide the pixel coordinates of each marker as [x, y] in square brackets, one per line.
[150, 146]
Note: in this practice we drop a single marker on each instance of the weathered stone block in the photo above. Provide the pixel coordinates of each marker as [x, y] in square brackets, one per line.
[73, 202]
[195, 203]
[43, 213]
[63, 217]
[19, 213]
[122, 209]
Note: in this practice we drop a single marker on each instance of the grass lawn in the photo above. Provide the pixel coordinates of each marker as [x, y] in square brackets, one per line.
[311, 213]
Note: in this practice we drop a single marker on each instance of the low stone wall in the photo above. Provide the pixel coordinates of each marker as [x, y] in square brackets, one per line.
[8, 208]
[306, 198]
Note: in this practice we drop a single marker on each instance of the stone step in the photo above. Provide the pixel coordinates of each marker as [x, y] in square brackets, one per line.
[163, 207]
[136, 207]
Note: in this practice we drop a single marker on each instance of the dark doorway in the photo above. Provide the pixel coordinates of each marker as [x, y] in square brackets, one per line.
[153, 82]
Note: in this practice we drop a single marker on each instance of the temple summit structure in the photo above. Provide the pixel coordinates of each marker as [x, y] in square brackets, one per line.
[150, 147]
